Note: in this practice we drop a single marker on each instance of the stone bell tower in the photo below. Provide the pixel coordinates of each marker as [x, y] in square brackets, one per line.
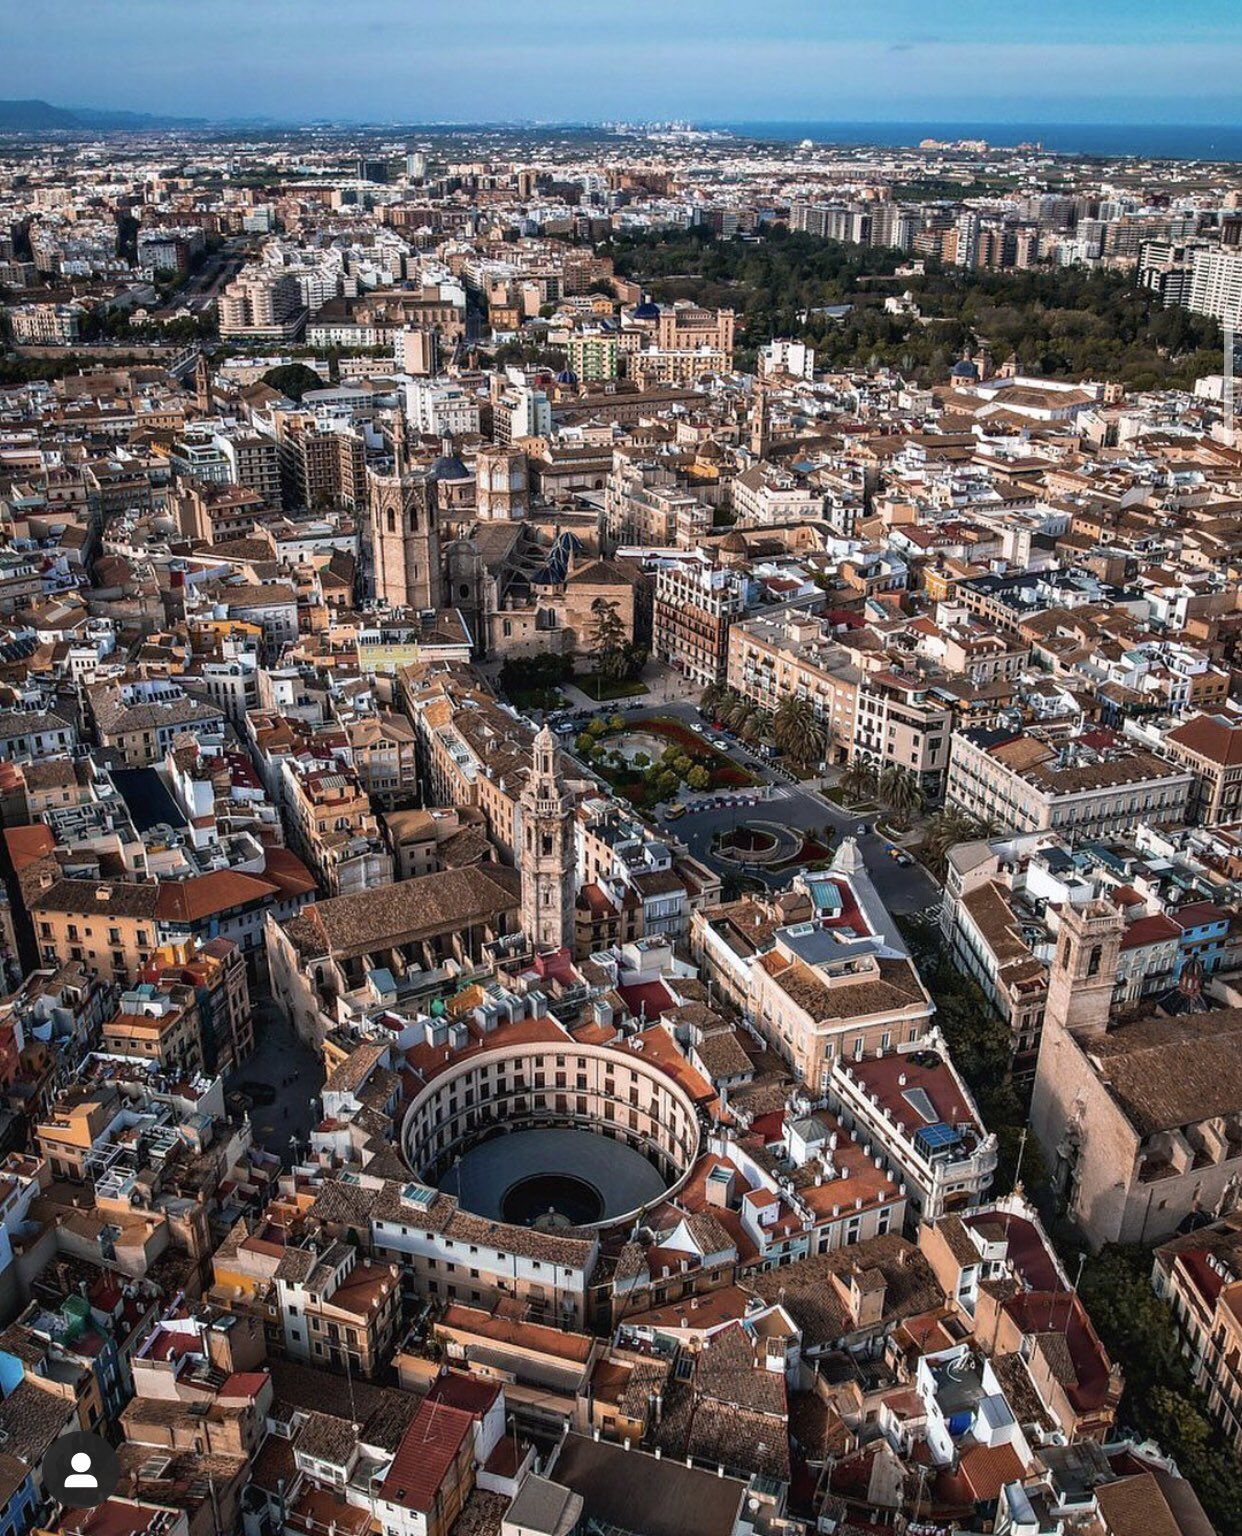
[1084, 970]
[502, 491]
[546, 851]
[404, 534]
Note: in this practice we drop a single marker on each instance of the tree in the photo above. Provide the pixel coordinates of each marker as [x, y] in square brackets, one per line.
[738, 712]
[797, 730]
[755, 727]
[292, 380]
[711, 699]
[608, 644]
[899, 790]
[858, 782]
[698, 777]
[945, 830]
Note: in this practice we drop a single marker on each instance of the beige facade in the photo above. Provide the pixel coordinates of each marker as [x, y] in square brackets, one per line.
[771, 659]
[111, 928]
[1210, 746]
[1140, 1122]
[1022, 783]
[1200, 1276]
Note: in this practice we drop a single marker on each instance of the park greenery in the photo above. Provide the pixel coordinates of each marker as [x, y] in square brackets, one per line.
[292, 380]
[646, 780]
[1160, 1399]
[1060, 322]
[533, 682]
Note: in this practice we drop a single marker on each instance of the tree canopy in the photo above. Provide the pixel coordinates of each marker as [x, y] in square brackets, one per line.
[1061, 322]
[292, 379]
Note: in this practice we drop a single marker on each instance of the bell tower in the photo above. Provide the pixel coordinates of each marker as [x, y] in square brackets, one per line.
[202, 385]
[1084, 971]
[501, 484]
[405, 534]
[546, 851]
[760, 429]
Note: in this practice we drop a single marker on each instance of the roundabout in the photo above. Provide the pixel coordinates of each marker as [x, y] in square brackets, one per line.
[757, 843]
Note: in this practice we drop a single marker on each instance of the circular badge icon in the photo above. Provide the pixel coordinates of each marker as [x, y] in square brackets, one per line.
[81, 1470]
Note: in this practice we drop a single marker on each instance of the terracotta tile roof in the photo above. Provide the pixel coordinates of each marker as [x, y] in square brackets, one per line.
[426, 1453]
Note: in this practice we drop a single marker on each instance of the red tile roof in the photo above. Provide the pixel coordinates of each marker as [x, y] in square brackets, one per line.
[428, 1450]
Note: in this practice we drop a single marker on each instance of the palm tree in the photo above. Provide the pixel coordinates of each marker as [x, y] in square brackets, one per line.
[797, 731]
[899, 790]
[754, 727]
[737, 714]
[711, 699]
[945, 830]
[858, 782]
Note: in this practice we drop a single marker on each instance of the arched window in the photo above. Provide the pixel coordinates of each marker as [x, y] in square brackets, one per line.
[392, 521]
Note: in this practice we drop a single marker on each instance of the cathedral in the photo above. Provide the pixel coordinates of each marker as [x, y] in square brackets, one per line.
[526, 580]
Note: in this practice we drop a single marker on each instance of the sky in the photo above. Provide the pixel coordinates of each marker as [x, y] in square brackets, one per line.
[1054, 61]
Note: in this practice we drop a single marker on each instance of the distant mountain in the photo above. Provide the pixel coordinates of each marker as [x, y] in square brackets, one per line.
[40, 116]
[101, 117]
[30, 116]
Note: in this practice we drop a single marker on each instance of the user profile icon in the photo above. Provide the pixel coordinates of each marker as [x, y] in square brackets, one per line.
[81, 1470]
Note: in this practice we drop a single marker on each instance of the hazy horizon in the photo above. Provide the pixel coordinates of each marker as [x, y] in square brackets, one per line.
[1116, 62]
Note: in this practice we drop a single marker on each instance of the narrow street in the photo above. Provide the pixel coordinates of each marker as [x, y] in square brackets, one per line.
[282, 1063]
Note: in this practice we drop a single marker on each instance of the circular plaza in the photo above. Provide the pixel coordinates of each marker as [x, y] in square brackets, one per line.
[553, 1136]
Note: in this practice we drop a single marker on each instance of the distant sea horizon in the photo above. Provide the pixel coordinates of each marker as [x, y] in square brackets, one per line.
[1163, 141]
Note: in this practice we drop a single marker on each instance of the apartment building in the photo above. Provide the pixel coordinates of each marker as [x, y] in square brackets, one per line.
[333, 826]
[694, 607]
[253, 462]
[160, 1025]
[818, 969]
[440, 408]
[1210, 746]
[1095, 787]
[795, 653]
[1216, 284]
[110, 927]
[41, 325]
[261, 306]
[903, 720]
[337, 1308]
[1200, 1276]
[142, 720]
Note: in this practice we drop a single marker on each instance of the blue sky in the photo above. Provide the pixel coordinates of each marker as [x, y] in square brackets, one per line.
[1172, 61]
